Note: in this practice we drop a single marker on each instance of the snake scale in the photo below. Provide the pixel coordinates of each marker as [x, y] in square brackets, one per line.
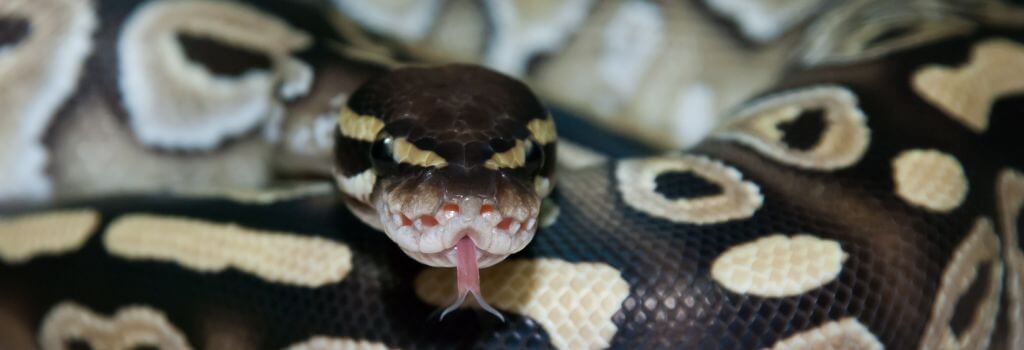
[866, 202]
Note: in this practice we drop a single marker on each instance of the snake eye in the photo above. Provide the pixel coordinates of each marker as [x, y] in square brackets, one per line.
[382, 151]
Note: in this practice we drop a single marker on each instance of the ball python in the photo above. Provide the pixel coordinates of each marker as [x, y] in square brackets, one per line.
[450, 162]
[865, 204]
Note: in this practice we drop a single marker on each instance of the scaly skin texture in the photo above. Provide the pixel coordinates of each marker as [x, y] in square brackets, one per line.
[432, 155]
[844, 206]
[455, 160]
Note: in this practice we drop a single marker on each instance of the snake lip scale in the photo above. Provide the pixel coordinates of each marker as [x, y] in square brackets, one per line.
[433, 237]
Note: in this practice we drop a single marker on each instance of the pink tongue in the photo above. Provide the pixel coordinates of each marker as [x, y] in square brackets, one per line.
[467, 273]
[468, 277]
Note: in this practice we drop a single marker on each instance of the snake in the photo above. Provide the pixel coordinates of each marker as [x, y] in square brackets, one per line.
[871, 198]
[450, 162]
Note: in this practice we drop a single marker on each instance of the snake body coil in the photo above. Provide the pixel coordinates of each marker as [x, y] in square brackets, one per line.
[866, 202]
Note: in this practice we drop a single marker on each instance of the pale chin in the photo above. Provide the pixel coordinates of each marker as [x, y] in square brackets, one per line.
[447, 258]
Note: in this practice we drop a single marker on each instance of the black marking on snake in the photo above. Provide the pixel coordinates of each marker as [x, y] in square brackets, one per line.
[804, 132]
[603, 141]
[77, 344]
[1006, 126]
[548, 160]
[13, 30]
[222, 58]
[684, 184]
[351, 156]
[80, 344]
[498, 145]
[963, 314]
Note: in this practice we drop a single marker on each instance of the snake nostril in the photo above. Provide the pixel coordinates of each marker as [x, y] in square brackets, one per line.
[428, 221]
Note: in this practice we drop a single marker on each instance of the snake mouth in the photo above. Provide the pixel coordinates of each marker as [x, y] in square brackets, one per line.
[431, 237]
[449, 256]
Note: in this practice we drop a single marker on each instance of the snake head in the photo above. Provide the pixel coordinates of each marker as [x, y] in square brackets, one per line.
[437, 156]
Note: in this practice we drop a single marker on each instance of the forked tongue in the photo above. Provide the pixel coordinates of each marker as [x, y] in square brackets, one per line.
[468, 278]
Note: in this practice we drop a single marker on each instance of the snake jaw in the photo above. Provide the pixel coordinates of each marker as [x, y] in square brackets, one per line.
[431, 238]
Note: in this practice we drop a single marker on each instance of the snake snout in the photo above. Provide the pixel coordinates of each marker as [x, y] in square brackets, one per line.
[430, 237]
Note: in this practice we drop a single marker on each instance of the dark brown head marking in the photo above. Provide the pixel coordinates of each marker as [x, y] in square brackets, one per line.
[457, 136]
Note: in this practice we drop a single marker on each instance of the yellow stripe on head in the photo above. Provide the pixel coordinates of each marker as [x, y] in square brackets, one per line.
[358, 186]
[512, 158]
[543, 130]
[359, 127]
[408, 153]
